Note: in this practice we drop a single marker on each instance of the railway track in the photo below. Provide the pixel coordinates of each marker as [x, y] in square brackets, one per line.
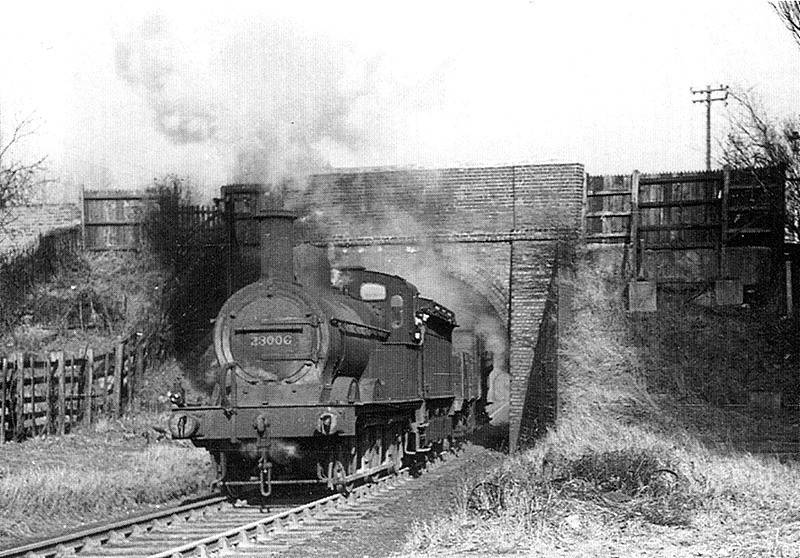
[215, 526]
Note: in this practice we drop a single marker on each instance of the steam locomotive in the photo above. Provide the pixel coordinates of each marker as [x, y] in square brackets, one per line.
[331, 381]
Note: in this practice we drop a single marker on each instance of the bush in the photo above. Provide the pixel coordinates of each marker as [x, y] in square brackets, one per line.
[190, 244]
[21, 272]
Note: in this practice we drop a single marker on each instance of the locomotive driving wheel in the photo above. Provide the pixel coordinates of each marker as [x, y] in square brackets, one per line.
[235, 471]
[344, 466]
[370, 449]
[394, 448]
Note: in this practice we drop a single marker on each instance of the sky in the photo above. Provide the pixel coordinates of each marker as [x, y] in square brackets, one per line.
[121, 94]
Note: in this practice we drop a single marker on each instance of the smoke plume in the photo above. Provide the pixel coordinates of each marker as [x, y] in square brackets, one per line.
[149, 60]
[272, 100]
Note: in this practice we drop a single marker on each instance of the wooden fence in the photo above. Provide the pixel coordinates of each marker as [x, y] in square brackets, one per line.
[113, 220]
[739, 207]
[117, 219]
[48, 394]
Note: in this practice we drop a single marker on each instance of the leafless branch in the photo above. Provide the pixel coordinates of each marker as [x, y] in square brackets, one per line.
[755, 140]
[789, 12]
[18, 175]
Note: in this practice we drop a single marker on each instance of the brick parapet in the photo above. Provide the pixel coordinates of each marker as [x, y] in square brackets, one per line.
[442, 204]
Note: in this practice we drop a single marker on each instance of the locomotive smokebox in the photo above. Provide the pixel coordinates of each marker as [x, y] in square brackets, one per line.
[277, 238]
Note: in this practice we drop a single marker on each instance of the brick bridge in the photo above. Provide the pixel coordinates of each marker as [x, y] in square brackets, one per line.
[482, 241]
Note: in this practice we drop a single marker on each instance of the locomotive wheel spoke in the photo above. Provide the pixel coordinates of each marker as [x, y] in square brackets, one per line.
[364, 450]
[377, 448]
[346, 464]
[394, 448]
[394, 455]
[339, 476]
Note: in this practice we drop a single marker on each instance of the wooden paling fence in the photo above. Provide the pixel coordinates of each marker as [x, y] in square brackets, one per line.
[118, 219]
[52, 393]
[739, 207]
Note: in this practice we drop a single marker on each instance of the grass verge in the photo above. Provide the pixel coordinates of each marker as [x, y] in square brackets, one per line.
[625, 472]
[51, 484]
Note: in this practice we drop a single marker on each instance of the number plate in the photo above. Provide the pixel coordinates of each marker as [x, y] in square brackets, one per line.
[272, 340]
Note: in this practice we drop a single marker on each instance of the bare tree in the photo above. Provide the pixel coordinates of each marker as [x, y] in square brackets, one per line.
[789, 12]
[18, 175]
[755, 139]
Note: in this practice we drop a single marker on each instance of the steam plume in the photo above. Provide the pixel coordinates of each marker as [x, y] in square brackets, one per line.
[148, 59]
[274, 101]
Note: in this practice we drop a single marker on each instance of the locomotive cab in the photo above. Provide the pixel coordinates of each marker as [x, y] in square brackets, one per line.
[390, 298]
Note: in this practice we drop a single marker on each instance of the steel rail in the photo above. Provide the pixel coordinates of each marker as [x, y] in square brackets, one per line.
[238, 532]
[236, 535]
[90, 539]
[253, 531]
[49, 547]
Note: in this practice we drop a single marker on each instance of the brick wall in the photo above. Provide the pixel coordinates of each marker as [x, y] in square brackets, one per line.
[442, 204]
[479, 240]
[26, 222]
[531, 272]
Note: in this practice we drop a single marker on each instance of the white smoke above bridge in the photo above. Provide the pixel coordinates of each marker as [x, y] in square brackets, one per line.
[269, 101]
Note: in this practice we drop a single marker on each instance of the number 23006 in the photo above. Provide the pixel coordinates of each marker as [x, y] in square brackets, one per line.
[270, 340]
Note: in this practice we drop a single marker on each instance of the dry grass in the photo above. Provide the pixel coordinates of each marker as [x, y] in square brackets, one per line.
[47, 484]
[623, 472]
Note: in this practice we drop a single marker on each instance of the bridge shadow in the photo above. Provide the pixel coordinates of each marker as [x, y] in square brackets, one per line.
[494, 435]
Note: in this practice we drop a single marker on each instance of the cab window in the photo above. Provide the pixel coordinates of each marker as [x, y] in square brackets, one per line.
[372, 292]
[396, 303]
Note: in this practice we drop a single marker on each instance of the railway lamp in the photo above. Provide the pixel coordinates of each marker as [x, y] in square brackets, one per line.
[326, 423]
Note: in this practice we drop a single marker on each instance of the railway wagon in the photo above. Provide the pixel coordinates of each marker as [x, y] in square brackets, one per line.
[331, 377]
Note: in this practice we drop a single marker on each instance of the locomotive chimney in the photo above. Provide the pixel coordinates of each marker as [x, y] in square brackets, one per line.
[276, 233]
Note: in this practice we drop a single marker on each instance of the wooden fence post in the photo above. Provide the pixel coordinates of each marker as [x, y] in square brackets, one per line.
[62, 393]
[138, 374]
[118, 355]
[89, 364]
[3, 371]
[48, 380]
[32, 362]
[72, 391]
[635, 225]
[106, 392]
[722, 238]
[20, 399]
[584, 205]
[32, 380]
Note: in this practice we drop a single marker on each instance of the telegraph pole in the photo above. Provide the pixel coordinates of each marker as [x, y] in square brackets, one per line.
[710, 97]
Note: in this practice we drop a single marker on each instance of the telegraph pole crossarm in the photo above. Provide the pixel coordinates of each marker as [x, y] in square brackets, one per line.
[710, 94]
